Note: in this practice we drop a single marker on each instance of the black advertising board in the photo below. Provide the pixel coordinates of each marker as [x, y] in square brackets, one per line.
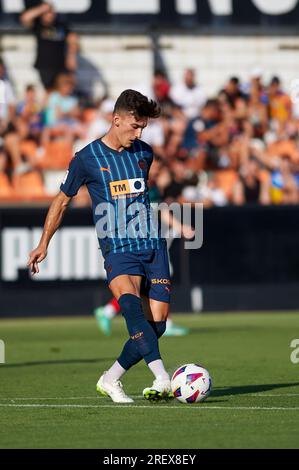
[163, 15]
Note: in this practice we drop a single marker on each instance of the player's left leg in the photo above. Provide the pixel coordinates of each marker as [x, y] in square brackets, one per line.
[158, 286]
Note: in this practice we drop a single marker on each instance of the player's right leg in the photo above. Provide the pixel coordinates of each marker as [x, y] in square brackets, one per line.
[143, 335]
[126, 289]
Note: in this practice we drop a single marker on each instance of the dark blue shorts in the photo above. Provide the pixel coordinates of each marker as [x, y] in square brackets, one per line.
[152, 265]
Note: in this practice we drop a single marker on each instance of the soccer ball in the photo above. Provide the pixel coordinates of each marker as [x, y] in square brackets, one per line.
[191, 383]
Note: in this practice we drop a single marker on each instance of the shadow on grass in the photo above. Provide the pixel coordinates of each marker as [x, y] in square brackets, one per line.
[246, 389]
[57, 362]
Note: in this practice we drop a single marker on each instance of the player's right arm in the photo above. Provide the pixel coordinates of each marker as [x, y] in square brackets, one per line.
[53, 221]
[75, 177]
[29, 16]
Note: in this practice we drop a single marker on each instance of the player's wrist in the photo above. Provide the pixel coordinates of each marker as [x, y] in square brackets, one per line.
[43, 246]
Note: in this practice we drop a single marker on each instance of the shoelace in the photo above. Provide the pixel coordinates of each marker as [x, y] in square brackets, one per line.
[120, 388]
[157, 383]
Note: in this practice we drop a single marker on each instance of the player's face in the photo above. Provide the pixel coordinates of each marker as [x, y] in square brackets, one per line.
[128, 128]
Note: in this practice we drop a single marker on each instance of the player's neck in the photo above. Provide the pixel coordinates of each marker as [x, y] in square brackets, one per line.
[111, 140]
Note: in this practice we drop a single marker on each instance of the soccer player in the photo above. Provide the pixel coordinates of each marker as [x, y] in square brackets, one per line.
[115, 170]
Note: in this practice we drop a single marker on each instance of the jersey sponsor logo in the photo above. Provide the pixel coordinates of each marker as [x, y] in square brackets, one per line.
[127, 187]
[142, 164]
[161, 281]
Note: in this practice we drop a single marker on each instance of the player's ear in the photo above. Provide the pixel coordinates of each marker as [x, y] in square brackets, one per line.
[116, 119]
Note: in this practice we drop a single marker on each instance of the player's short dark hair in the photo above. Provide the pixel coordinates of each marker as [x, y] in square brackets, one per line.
[131, 101]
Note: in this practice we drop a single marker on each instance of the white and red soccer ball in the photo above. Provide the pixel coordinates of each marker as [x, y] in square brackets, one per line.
[191, 383]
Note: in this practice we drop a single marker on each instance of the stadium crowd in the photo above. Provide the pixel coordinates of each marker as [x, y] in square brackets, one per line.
[238, 147]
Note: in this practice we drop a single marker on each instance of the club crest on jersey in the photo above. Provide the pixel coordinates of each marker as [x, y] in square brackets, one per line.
[142, 164]
[124, 188]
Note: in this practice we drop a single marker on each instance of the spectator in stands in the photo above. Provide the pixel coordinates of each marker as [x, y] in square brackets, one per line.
[232, 92]
[88, 79]
[52, 36]
[209, 192]
[188, 95]
[208, 133]
[280, 104]
[5, 185]
[283, 185]
[238, 148]
[8, 133]
[3, 160]
[256, 81]
[30, 109]
[181, 177]
[161, 87]
[257, 113]
[62, 111]
[8, 100]
[251, 188]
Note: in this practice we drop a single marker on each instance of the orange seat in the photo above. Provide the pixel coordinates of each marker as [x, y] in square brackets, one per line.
[6, 189]
[29, 185]
[28, 148]
[225, 180]
[57, 155]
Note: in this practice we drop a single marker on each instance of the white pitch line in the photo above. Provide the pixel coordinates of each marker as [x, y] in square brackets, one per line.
[153, 406]
[96, 397]
[277, 395]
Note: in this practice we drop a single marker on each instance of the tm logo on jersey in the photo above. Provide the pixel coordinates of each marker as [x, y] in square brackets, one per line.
[127, 187]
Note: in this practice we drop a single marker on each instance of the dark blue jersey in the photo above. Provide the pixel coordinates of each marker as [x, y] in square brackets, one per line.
[117, 184]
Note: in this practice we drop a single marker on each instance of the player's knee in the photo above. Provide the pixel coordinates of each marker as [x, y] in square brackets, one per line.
[141, 333]
[159, 327]
[130, 306]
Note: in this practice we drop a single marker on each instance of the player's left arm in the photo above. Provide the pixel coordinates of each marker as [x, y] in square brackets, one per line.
[167, 217]
[185, 230]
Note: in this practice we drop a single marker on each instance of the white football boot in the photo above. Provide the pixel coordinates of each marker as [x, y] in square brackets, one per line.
[160, 390]
[113, 390]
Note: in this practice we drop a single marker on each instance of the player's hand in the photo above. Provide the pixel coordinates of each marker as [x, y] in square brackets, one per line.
[35, 257]
[188, 232]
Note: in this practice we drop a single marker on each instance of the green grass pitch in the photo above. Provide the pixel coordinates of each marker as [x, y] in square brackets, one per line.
[48, 398]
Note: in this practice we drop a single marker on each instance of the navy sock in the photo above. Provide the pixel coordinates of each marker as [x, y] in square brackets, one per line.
[143, 342]
[130, 354]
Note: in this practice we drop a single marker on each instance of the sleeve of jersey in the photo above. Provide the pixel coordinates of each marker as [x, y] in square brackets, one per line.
[74, 178]
[150, 160]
